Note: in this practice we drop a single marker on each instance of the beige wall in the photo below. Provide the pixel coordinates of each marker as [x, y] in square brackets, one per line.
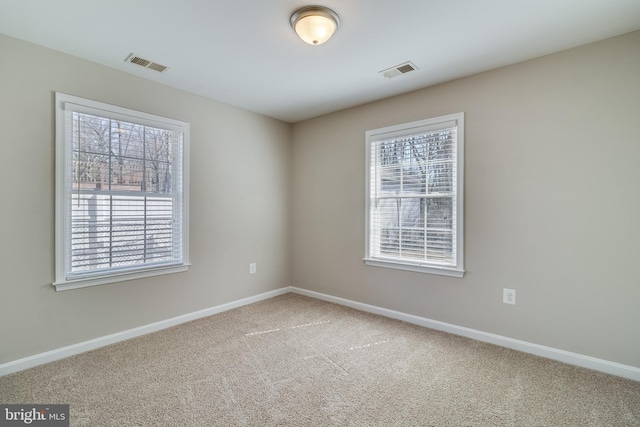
[240, 209]
[552, 202]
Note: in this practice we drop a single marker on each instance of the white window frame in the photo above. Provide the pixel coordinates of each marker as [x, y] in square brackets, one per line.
[408, 129]
[66, 105]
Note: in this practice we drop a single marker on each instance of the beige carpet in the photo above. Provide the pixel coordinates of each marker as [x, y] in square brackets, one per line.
[293, 360]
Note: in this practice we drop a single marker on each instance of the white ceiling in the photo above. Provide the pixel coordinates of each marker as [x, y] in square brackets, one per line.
[244, 53]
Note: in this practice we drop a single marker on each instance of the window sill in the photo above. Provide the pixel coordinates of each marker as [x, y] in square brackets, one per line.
[419, 268]
[66, 285]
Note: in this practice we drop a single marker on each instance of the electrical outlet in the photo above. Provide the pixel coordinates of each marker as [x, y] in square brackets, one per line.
[509, 296]
[252, 268]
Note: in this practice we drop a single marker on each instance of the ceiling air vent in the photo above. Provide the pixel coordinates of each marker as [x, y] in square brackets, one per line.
[398, 70]
[135, 59]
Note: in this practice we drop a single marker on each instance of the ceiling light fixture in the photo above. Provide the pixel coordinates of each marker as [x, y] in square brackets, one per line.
[315, 24]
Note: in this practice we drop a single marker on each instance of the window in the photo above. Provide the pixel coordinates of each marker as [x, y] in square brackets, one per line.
[121, 194]
[415, 196]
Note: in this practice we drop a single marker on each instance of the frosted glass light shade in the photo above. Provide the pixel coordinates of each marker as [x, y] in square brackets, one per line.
[314, 24]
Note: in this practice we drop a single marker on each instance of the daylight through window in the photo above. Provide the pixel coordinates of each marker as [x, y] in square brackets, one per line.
[121, 193]
[415, 196]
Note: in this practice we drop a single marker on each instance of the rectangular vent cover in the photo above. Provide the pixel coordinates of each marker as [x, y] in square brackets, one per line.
[398, 70]
[135, 59]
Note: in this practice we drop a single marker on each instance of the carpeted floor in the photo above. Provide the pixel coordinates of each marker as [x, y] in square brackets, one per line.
[298, 361]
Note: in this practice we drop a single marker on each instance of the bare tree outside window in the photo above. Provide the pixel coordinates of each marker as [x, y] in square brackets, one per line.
[119, 214]
[416, 192]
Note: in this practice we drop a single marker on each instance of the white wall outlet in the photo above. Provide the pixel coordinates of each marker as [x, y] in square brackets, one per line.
[509, 296]
[252, 268]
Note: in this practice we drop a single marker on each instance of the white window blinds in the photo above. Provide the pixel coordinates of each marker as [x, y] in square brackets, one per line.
[414, 206]
[121, 193]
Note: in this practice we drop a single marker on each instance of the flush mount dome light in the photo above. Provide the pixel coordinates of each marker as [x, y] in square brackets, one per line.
[315, 24]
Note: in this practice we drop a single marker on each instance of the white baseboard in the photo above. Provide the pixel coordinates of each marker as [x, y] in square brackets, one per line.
[625, 371]
[61, 353]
